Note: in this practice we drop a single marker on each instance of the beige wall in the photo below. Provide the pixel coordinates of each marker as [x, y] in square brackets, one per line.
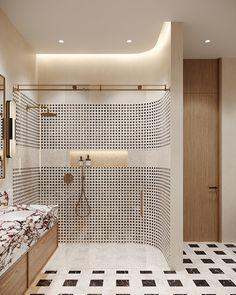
[176, 146]
[228, 152]
[18, 65]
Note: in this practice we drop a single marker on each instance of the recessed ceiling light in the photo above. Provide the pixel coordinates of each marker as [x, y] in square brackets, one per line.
[129, 41]
[207, 41]
[61, 41]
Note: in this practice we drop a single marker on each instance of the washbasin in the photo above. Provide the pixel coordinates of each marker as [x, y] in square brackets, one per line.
[16, 215]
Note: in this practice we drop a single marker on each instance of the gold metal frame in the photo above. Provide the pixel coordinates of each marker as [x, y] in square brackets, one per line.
[88, 87]
[3, 118]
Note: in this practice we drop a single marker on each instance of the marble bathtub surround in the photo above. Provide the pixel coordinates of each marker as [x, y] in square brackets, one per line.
[19, 234]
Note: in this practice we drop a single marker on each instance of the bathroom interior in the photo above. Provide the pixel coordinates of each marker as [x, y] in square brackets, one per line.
[116, 162]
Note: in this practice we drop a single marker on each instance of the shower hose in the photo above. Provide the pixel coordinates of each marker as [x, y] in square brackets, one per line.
[83, 200]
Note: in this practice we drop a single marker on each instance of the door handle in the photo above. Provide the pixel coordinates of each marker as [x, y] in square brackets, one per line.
[213, 187]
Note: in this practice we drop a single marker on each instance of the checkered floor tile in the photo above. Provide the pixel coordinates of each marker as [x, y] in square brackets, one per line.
[209, 269]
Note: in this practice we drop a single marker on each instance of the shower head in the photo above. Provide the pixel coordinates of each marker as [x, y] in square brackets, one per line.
[48, 114]
[45, 114]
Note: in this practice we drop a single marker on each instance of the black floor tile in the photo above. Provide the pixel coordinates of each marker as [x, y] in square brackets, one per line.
[216, 270]
[98, 271]
[149, 283]
[227, 283]
[193, 245]
[96, 283]
[192, 270]
[122, 283]
[74, 271]
[145, 271]
[207, 260]
[184, 253]
[70, 283]
[230, 245]
[50, 272]
[212, 246]
[234, 269]
[228, 260]
[201, 283]
[220, 252]
[169, 272]
[175, 283]
[187, 260]
[44, 283]
[200, 252]
[122, 272]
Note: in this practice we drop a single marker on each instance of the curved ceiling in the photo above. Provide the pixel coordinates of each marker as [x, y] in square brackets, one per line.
[103, 26]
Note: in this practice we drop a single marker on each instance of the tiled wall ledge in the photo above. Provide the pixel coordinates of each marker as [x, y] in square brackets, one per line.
[100, 158]
[107, 158]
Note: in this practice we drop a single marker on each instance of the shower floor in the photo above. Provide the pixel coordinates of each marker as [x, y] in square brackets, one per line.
[131, 269]
[107, 256]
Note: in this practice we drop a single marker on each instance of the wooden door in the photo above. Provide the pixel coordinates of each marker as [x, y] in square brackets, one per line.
[201, 150]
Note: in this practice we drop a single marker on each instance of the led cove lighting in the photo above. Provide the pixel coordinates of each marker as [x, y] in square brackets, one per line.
[207, 41]
[129, 41]
[61, 41]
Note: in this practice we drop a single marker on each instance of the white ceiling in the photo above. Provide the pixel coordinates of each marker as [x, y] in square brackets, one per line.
[103, 26]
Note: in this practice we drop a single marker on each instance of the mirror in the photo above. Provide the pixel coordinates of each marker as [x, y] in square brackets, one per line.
[2, 132]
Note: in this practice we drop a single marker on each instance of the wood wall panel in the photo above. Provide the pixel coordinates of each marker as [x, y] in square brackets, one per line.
[201, 76]
[201, 150]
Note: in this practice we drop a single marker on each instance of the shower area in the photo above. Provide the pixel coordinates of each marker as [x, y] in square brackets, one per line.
[127, 195]
[124, 195]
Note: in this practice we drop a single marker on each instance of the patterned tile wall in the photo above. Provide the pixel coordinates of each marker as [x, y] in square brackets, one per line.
[26, 185]
[114, 198]
[27, 122]
[107, 126]
[26, 180]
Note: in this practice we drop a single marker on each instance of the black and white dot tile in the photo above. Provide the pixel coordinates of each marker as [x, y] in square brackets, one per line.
[209, 270]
